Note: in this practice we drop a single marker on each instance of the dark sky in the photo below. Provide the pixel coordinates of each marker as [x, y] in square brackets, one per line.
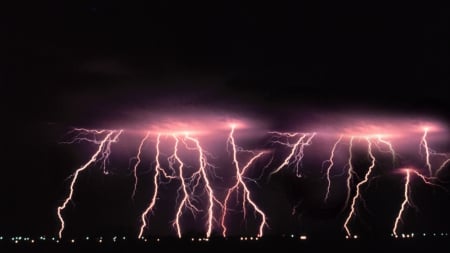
[85, 63]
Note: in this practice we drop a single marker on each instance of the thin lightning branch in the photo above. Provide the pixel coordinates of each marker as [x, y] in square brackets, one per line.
[444, 164]
[331, 163]
[424, 144]
[350, 171]
[296, 154]
[389, 145]
[138, 158]
[102, 153]
[358, 188]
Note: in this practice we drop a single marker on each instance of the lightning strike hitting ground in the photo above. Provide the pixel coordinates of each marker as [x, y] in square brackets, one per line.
[102, 154]
[407, 196]
[189, 185]
[404, 203]
[358, 188]
[246, 195]
[159, 172]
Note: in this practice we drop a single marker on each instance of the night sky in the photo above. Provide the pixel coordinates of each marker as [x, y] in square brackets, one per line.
[89, 63]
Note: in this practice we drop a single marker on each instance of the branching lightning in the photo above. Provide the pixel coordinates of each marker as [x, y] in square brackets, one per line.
[297, 149]
[358, 188]
[102, 154]
[246, 195]
[159, 172]
[407, 195]
[188, 184]
[179, 158]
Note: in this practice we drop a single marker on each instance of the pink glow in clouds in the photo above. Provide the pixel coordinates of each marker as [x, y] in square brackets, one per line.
[179, 146]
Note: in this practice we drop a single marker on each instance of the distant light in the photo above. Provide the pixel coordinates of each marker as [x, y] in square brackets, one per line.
[256, 238]
[346, 237]
[434, 234]
[72, 241]
[407, 235]
[251, 238]
[403, 235]
[100, 241]
[157, 239]
[16, 241]
[292, 236]
[241, 238]
[145, 240]
[424, 234]
[412, 234]
[87, 238]
[442, 234]
[32, 241]
[303, 237]
[1, 237]
[199, 239]
[124, 238]
[355, 237]
[57, 241]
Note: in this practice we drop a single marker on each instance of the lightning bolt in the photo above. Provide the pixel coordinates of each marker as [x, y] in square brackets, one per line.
[444, 164]
[297, 149]
[203, 164]
[102, 154]
[330, 165]
[407, 195]
[424, 144]
[350, 171]
[358, 188]
[246, 195]
[404, 203]
[390, 147]
[138, 161]
[429, 152]
[186, 199]
[159, 171]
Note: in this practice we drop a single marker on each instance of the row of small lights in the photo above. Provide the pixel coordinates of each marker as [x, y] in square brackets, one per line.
[100, 239]
[17, 239]
[412, 235]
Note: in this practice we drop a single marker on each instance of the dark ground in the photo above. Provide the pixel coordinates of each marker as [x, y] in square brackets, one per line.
[234, 245]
